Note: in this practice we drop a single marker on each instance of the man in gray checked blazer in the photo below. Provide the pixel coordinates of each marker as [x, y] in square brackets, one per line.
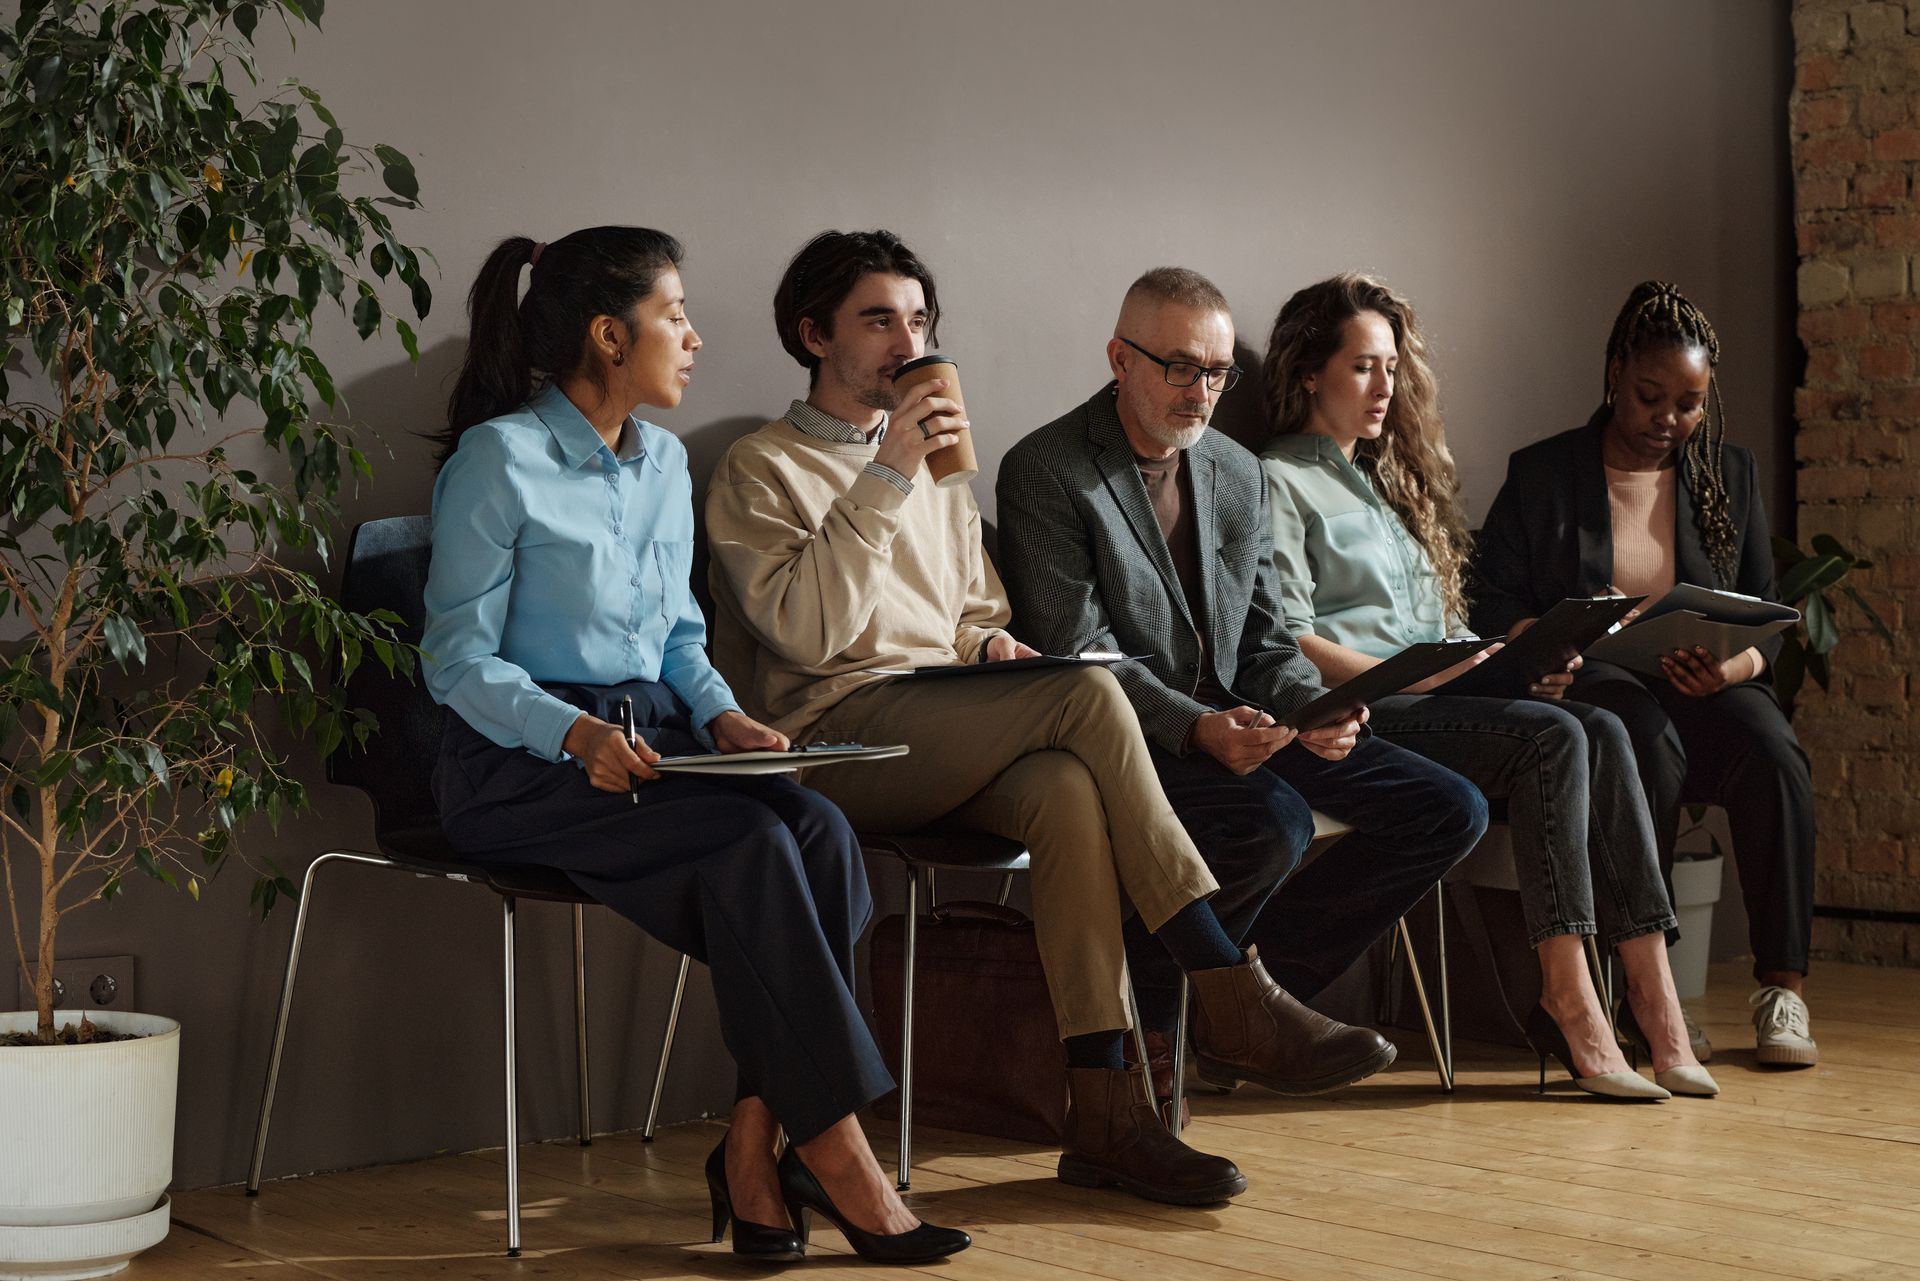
[1128, 525]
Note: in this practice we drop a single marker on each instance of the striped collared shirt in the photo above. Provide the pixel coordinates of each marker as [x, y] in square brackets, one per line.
[823, 426]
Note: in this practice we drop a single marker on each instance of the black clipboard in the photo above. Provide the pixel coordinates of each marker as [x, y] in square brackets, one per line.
[1389, 676]
[1556, 638]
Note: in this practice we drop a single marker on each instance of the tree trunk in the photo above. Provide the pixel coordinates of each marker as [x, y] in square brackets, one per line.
[49, 918]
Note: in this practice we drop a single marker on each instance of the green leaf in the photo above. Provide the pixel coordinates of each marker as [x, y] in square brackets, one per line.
[1822, 634]
[246, 18]
[366, 313]
[397, 173]
[1814, 574]
[407, 339]
[1874, 620]
[124, 639]
[422, 297]
[319, 107]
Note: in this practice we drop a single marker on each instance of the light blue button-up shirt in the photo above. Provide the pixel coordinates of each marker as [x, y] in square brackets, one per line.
[558, 560]
[1347, 568]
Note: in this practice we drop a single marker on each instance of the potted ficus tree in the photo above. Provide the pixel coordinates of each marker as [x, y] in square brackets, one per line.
[171, 231]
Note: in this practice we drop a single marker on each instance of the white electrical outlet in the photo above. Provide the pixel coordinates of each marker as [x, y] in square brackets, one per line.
[96, 983]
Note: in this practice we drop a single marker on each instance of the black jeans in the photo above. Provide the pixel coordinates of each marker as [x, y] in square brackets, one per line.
[1734, 749]
[1412, 821]
[758, 877]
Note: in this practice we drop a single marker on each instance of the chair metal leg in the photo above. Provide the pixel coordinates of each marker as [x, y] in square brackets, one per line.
[1441, 980]
[513, 1084]
[1426, 1012]
[1006, 889]
[905, 1180]
[286, 1003]
[666, 1048]
[580, 1022]
[1139, 1035]
[1180, 1059]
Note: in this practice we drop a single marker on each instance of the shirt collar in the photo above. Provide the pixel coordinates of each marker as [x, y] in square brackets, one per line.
[1313, 447]
[577, 439]
[824, 426]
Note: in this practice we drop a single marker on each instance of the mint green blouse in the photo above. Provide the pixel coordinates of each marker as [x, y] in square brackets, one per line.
[1347, 568]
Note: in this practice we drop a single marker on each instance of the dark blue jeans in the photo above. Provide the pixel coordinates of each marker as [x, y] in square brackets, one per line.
[1412, 821]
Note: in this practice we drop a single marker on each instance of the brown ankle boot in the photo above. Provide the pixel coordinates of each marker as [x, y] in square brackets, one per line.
[1115, 1140]
[1160, 1076]
[1246, 1028]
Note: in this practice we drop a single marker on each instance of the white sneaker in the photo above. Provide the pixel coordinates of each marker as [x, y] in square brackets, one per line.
[1781, 1036]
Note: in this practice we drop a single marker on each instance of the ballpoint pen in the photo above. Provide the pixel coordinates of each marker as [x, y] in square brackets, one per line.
[633, 741]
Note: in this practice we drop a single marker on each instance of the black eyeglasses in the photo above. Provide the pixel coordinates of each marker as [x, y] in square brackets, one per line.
[1184, 373]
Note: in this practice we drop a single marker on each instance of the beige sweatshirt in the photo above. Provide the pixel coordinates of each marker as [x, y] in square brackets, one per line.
[822, 572]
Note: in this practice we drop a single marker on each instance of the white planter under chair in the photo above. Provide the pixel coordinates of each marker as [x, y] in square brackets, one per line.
[86, 1146]
[1696, 888]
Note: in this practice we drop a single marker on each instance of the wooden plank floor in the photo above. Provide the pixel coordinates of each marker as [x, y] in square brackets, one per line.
[1812, 1174]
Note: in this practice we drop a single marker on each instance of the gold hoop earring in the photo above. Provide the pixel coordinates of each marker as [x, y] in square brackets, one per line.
[619, 358]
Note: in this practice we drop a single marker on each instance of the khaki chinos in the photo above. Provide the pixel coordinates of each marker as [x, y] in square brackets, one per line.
[1053, 759]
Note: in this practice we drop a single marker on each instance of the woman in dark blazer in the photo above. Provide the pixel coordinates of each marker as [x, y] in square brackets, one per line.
[1646, 495]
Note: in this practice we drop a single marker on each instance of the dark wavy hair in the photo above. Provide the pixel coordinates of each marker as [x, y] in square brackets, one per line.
[598, 271]
[825, 271]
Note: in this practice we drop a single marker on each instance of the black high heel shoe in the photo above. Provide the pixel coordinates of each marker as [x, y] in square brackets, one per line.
[804, 1194]
[1546, 1038]
[750, 1240]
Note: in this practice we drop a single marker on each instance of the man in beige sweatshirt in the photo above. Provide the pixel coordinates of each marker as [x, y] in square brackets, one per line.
[835, 555]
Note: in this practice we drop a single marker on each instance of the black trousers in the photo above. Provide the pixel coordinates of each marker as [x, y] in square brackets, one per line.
[1737, 750]
[760, 878]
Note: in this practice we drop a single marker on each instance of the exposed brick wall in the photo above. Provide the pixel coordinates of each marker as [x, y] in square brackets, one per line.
[1856, 139]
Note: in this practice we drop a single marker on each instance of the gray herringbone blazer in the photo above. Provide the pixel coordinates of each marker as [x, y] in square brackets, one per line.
[1086, 566]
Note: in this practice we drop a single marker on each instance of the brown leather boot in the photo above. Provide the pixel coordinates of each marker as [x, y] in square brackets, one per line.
[1160, 1077]
[1116, 1140]
[1246, 1028]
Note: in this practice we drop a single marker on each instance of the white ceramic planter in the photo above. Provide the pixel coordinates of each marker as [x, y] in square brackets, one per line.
[1696, 888]
[86, 1147]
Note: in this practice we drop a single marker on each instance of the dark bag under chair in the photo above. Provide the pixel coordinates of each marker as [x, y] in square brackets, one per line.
[986, 1048]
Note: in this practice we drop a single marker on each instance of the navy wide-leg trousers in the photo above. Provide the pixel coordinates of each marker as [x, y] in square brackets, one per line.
[758, 877]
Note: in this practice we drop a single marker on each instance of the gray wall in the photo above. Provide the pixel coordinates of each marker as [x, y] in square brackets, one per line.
[1512, 165]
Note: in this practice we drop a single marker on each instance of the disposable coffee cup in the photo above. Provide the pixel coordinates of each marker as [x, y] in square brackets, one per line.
[956, 464]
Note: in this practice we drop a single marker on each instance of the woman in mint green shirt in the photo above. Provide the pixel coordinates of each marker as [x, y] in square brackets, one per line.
[1369, 546]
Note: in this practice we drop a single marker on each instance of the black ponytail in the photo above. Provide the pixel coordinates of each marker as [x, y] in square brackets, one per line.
[599, 271]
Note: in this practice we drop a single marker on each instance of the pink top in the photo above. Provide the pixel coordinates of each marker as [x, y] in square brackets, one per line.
[1643, 509]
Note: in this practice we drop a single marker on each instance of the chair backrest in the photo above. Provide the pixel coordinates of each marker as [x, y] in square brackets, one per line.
[387, 569]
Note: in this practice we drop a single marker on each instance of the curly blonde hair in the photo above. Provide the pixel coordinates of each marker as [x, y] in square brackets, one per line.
[1410, 464]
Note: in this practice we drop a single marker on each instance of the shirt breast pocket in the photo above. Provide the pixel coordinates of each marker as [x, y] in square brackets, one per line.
[673, 561]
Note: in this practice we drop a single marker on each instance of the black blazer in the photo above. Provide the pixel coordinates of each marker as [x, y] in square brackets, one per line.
[1549, 533]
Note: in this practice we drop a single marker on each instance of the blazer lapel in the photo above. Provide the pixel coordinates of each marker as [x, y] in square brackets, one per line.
[1206, 533]
[1113, 457]
[1593, 518]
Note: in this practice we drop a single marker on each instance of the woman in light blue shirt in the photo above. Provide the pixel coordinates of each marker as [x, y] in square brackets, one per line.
[1369, 544]
[559, 592]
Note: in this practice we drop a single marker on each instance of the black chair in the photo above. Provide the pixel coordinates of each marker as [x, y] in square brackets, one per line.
[387, 568]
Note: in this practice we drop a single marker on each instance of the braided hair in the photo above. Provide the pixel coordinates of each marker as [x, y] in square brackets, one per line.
[1658, 315]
